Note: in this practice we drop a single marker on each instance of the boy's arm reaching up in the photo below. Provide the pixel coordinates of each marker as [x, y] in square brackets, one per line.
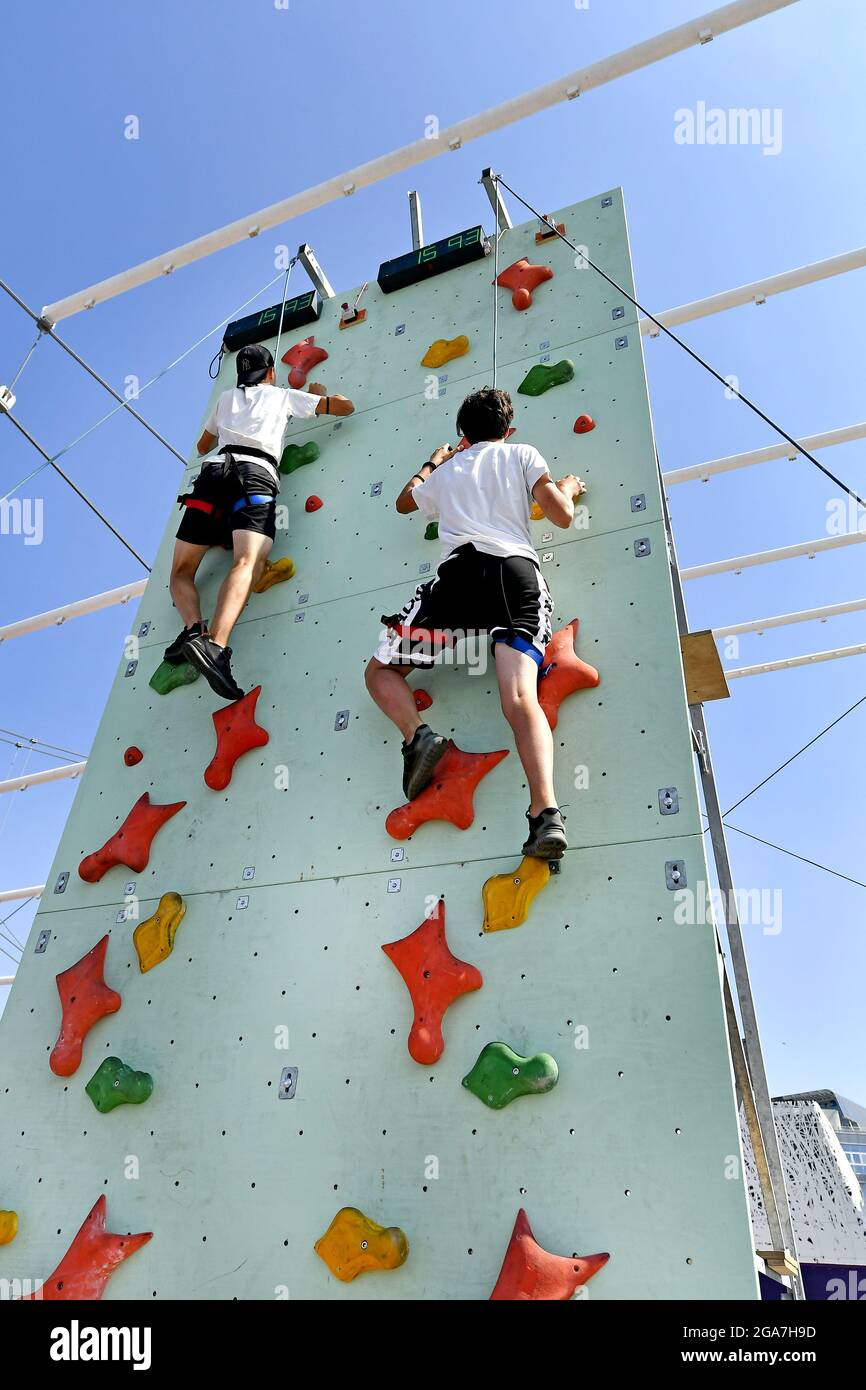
[557, 499]
[406, 502]
[330, 405]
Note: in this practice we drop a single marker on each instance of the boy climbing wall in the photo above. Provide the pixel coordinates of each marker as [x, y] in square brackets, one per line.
[489, 580]
[233, 504]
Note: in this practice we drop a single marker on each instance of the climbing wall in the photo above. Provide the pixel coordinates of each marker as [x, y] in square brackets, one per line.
[275, 1032]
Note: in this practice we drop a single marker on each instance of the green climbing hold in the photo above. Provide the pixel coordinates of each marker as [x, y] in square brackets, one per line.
[432, 531]
[540, 378]
[296, 455]
[501, 1075]
[114, 1083]
[167, 678]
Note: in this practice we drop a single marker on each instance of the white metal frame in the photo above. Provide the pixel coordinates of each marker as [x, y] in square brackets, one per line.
[787, 663]
[36, 779]
[768, 557]
[55, 617]
[704, 471]
[10, 895]
[691, 34]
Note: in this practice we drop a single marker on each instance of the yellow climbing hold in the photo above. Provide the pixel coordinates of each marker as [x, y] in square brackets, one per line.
[353, 1244]
[444, 350]
[508, 897]
[8, 1226]
[536, 514]
[276, 573]
[154, 939]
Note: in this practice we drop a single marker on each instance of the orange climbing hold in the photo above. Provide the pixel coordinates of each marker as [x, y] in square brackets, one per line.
[530, 1273]
[132, 756]
[422, 700]
[563, 672]
[434, 979]
[313, 504]
[583, 424]
[130, 845]
[85, 998]
[90, 1260]
[522, 278]
[449, 795]
[445, 350]
[507, 898]
[153, 939]
[8, 1227]
[237, 733]
[302, 357]
[354, 1244]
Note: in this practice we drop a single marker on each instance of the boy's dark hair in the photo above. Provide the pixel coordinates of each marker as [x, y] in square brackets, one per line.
[485, 414]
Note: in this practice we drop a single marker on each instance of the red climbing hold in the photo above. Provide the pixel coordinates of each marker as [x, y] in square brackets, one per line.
[237, 732]
[90, 1260]
[434, 979]
[449, 795]
[132, 756]
[313, 503]
[302, 357]
[529, 1272]
[130, 845]
[583, 424]
[563, 672]
[422, 700]
[522, 278]
[85, 998]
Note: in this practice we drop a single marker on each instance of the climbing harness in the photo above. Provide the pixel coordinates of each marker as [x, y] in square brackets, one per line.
[227, 469]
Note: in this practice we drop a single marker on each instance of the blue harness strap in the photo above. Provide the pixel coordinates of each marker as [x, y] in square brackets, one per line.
[256, 499]
[520, 644]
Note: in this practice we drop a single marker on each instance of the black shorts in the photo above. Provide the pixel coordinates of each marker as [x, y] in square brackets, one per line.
[506, 597]
[225, 489]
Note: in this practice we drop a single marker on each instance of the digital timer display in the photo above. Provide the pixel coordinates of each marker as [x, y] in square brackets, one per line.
[431, 260]
[256, 328]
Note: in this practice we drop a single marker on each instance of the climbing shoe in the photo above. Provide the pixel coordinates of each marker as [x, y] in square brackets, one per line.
[173, 653]
[420, 758]
[214, 662]
[546, 835]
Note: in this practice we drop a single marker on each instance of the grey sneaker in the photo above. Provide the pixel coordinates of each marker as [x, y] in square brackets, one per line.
[546, 835]
[420, 759]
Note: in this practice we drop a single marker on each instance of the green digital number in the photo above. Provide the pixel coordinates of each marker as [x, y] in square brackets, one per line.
[427, 253]
[267, 315]
[471, 236]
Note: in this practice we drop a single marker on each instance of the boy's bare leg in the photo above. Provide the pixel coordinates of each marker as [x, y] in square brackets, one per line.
[389, 689]
[517, 674]
[184, 567]
[251, 550]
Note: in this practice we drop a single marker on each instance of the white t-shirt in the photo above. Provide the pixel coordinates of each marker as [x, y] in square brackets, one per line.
[483, 495]
[257, 416]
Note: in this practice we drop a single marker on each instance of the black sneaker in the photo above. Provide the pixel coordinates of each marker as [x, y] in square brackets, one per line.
[420, 758]
[214, 662]
[546, 835]
[173, 653]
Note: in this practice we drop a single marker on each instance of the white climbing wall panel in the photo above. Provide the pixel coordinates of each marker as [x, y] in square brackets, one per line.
[291, 892]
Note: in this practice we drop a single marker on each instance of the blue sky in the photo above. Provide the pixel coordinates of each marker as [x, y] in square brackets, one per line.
[240, 105]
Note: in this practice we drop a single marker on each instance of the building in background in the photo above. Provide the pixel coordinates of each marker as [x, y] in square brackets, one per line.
[849, 1124]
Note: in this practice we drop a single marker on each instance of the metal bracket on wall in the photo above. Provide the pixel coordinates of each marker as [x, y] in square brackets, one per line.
[376, 490]
[131, 668]
[342, 720]
[675, 874]
[62, 880]
[621, 342]
[643, 547]
[288, 1083]
[669, 801]
[42, 941]
[638, 502]
[144, 629]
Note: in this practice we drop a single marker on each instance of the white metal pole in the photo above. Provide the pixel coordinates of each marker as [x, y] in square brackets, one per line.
[704, 471]
[629, 60]
[757, 291]
[36, 779]
[767, 557]
[56, 616]
[787, 663]
[9, 895]
[831, 610]
[7, 979]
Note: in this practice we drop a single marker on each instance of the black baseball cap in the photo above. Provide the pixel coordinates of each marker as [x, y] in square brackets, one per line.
[253, 364]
